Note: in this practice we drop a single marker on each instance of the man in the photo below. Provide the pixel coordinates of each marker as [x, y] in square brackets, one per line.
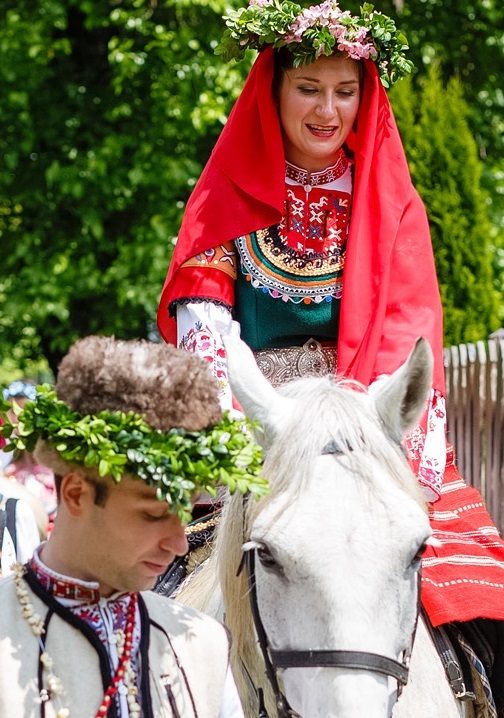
[80, 633]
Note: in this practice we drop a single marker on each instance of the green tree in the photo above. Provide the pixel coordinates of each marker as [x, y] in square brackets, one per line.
[108, 111]
[446, 170]
[466, 39]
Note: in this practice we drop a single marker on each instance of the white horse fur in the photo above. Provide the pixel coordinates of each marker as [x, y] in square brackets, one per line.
[337, 540]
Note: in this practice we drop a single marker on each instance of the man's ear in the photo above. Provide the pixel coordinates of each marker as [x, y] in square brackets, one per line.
[75, 492]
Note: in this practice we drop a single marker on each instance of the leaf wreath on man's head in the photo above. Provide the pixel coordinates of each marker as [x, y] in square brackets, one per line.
[143, 409]
[177, 463]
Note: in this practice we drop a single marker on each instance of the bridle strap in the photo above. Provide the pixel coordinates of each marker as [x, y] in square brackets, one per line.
[358, 660]
[283, 708]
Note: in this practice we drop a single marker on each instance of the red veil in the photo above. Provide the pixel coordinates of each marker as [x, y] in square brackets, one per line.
[390, 291]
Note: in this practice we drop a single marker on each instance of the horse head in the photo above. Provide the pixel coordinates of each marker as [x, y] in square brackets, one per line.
[336, 544]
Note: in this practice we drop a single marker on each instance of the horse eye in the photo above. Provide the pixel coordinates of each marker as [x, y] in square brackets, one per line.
[266, 559]
[415, 561]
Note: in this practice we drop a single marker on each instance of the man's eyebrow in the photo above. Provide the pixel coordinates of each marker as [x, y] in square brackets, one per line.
[147, 496]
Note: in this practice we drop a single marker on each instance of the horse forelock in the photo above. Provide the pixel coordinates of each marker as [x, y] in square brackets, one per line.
[328, 412]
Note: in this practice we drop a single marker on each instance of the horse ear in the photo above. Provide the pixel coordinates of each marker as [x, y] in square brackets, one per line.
[400, 398]
[259, 400]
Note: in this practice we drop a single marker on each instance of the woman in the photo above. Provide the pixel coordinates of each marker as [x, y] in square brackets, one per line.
[306, 229]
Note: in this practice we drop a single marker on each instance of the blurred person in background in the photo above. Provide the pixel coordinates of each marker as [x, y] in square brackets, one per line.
[22, 468]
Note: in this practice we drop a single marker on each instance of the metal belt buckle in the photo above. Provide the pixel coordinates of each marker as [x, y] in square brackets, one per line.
[280, 366]
[313, 361]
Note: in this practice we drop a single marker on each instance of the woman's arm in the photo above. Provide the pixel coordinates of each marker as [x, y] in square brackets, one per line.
[200, 326]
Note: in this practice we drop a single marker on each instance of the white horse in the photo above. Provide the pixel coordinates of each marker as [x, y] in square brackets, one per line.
[337, 547]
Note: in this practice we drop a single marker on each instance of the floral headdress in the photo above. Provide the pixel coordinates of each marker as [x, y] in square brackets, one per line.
[315, 31]
[162, 423]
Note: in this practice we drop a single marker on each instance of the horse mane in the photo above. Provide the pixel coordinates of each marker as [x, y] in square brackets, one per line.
[324, 411]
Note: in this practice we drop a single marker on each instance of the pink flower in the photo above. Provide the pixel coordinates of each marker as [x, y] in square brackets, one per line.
[259, 3]
[316, 14]
[356, 50]
[360, 35]
[338, 31]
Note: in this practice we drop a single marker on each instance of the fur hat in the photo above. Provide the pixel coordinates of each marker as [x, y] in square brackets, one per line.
[141, 409]
[170, 387]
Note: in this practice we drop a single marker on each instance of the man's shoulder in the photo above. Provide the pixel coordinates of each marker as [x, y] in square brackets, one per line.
[161, 605]
[200, 643]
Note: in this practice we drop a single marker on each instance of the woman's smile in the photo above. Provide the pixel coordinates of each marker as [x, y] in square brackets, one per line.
[320, 131]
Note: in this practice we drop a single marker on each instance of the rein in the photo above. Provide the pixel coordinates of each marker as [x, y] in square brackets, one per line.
[358, 660]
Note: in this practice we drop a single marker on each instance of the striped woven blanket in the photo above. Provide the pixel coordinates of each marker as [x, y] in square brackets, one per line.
[464, 577]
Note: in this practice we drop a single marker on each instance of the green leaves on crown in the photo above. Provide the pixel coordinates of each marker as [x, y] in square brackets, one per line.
[177, 463]
[319, 30]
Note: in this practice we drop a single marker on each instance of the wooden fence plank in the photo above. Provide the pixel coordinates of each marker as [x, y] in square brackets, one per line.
[475, 417]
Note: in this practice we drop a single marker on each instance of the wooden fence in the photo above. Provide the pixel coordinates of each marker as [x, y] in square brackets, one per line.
[475, 410]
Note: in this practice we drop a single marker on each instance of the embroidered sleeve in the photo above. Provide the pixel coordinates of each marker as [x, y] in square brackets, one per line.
[222, 257]
[200, 327]
[426, 445]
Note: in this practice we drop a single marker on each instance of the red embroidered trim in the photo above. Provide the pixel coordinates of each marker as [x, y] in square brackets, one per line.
[125, 656]
[61, 588]
[313, 179]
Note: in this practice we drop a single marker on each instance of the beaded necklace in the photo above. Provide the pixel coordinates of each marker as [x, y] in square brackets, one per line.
[123, 668]
[124, 671]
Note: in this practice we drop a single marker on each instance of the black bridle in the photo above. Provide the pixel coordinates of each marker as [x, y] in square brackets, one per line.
[359, 660]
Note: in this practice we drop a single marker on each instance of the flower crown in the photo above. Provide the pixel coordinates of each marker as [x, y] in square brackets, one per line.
[318, 30]
[177, 463]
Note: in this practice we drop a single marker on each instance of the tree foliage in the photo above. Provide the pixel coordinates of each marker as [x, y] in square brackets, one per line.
[108, 111]
[464, 38]
[446, 170]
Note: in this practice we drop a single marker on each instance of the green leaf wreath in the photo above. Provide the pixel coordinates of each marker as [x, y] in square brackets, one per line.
[177, 463]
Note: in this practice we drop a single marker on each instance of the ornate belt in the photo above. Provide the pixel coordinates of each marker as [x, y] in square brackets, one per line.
[280, 366]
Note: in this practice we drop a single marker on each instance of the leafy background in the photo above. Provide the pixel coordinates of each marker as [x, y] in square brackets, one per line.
[110, 108]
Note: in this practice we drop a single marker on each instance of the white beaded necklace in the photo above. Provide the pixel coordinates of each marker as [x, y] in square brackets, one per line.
[54, 685]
